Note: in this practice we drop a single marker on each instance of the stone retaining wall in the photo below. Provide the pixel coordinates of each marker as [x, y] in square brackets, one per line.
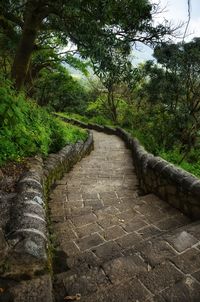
[174, 185]
[26, 232]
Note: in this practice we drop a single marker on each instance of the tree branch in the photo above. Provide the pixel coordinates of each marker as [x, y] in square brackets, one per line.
[189, 17]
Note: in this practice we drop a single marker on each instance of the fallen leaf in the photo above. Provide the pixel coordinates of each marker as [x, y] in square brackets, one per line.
[73, 298]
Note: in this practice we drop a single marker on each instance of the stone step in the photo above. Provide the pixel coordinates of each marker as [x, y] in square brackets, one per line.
[38, 289]
[113, 245]
[113, 232]
[143, 273]
[131, 255]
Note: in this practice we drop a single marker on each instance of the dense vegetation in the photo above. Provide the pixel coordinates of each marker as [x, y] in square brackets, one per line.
[27, 129]
[160, 104]
[158, 101]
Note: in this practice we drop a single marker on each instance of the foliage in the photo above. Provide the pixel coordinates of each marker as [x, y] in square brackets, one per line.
[174, 156]
[26, 129]
[167, 98]
[182, 75]
[101, 107]
[115, 24]
[97, 119]
[60, 91]
[75, 116]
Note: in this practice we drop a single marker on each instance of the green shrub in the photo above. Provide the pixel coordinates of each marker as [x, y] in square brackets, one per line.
[27, 129]
[101, 120]
[98, 119]
[74, 116]
[63, 132]
[174, 156]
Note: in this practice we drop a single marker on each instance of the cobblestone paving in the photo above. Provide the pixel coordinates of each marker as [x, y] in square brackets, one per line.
[113, 245]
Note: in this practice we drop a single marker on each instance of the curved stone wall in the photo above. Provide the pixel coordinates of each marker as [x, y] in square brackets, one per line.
[26, 231]
[174, 185]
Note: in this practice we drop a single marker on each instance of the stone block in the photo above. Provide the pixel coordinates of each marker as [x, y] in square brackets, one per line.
[132, 291]
[107, 210]
[70, 248]
[83, 220]
[189, 261]
[134, 225]
[113, 232]
[84, 283]
[187, 290]
[94, 203]
[88, 230]
[195, 189]
[161, 277]
[39, 289]
[161, 166]
[152, 162]
[89, 242]
[127, 215]
[181, 240]
[172, 222]
[109, 221]
[171, 189]
[196, 275]
[123, 268]
[194, 229]
[129, 240]
[156, 251]
[3, 246]
[149, 232]
[107, 251]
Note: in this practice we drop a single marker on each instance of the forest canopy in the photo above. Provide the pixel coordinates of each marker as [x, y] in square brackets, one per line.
[95, 27]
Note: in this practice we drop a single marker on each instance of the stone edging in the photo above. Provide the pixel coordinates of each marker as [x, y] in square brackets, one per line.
[26, 232]
[174, 185]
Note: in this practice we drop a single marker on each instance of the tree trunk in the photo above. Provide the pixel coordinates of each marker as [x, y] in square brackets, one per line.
[22, 58]
[112, 105]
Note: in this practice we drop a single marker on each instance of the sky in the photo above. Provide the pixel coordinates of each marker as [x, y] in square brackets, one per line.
[175, 11]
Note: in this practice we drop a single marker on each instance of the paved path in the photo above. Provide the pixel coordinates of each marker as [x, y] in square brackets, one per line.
[113, 245]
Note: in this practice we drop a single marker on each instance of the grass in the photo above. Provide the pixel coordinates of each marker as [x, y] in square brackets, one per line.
[26, 129]
[93, 120]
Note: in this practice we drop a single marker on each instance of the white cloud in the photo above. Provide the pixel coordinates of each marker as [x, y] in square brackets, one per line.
[194, 28]
[176, 12]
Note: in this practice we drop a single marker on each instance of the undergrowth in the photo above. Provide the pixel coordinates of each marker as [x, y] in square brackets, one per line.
[100, 120]
[27, 129]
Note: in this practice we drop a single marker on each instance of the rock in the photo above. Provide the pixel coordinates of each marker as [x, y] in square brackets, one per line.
[39, 289]
[3, 245]
[1, 174]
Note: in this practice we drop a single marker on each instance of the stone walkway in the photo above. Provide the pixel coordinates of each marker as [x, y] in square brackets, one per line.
[113, 245]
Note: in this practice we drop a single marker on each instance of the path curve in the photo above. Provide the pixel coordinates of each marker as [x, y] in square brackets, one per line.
[113, 245]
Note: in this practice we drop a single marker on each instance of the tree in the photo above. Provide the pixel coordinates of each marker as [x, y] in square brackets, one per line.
[183, 62]
[173, 89]
[80, 21]
[115, 70]
[57, 89]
